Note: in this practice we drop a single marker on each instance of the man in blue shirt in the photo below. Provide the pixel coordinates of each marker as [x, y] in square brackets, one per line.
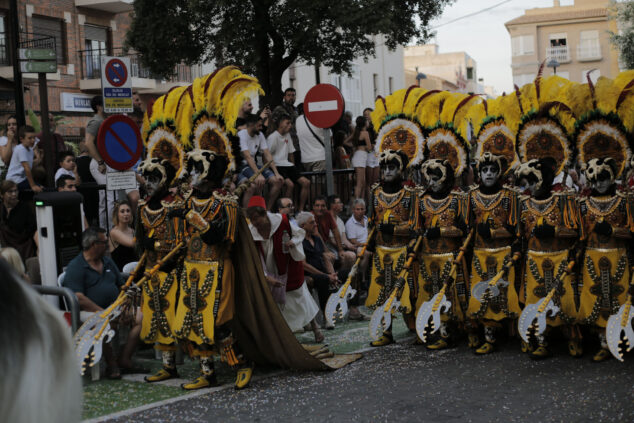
[96, 281]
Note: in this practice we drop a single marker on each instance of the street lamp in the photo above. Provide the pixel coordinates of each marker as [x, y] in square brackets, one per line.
[553, 63]
[419, 76]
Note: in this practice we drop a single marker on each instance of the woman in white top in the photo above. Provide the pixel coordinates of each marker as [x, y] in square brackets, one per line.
[361, 142]
[9, 140]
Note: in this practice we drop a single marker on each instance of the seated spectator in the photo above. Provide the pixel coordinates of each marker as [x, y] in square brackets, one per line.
[66, 183]
[324, 279]
[40, 381]
[12, 257]
[281, 146]
[8, 141]
[22, 161]
[357, 233]
[245, 110]
[122, 242]
[67, 166]
[253, 144]
[325, 224]
[282, 262]
[335, 207]
[18, 226]
[96, 281]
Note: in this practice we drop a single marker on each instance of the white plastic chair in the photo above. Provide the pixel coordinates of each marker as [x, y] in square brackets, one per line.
[129, 268]
[60, 283]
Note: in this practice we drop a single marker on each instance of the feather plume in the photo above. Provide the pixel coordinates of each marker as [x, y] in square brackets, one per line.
[538, 80]
[407, 93]
[422, 97]
[591, 86]
[476, 114]
[624, 85]
[412, 100]
[428, 111]
[379, 113]
[234, 95]
[395, 102]
[171, 102]
[518, 97]
[528, 98]
[183, 116]
[216, 84]
[579, 99]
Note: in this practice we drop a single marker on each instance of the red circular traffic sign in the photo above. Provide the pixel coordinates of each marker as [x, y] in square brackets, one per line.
[323, 105]
[116, 72]
[119, 142]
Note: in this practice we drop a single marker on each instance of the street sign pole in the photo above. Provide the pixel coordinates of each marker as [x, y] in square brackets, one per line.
[17, 75]
[49, 149]
[330, 186]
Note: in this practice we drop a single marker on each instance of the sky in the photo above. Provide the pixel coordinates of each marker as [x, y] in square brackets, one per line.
[484, 36]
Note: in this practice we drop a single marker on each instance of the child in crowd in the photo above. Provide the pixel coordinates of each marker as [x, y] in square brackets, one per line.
[22, 161]
[66, 161]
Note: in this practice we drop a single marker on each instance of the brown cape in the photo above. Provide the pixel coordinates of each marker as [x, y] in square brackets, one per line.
[260, 328]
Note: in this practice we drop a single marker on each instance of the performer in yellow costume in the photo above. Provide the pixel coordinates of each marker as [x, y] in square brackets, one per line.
[207, 302]
[393, 209]
[158, 233]
[442, 212]
[494, 215]
[606, 213]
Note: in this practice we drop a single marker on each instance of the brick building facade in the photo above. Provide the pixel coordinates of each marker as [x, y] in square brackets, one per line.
[84, 30]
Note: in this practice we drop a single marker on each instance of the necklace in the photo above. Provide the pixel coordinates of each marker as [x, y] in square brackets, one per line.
[542, 207]
[487, 201]
[389, 200]
[438, 206]
[602, 207]
[152, 218]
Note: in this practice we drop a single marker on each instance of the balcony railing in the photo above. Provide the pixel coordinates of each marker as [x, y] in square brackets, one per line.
[27, 40]
[589, 52]
[559, 53]
[91, 66]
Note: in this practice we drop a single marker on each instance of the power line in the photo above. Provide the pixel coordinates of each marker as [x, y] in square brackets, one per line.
[472, 14]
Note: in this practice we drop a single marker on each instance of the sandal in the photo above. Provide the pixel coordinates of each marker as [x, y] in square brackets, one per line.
[113, 374]
[319, 337]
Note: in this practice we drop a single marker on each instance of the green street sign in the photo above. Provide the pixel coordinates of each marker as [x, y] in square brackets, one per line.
[37, 54]
[38, 67]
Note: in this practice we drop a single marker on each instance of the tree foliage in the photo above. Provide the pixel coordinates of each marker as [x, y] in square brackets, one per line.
[624, 39]
[266, 36]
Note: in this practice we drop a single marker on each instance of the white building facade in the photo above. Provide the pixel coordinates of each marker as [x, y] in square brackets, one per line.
[381, 75]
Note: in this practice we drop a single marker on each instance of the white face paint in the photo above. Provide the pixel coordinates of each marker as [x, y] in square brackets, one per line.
[390, 172]
[489, 175]
[196, 178]
[435, 183]
[526, 186]
[603, 185]
[152, 184]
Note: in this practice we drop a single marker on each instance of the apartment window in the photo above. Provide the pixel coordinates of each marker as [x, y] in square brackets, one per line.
[470, 73]
[523, 79]
[589, 47]
[522, 45]
[558, 40]
[594, 76]
[350, 87]
[52, 27]
[4, 50]
[390, 84]
[95, 46]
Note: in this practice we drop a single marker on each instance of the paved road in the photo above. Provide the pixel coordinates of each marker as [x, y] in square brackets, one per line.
[408, 383]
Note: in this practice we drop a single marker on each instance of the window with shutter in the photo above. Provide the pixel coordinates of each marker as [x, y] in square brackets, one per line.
[52, 27]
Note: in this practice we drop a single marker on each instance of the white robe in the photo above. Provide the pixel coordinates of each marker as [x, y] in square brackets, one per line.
[300, 308]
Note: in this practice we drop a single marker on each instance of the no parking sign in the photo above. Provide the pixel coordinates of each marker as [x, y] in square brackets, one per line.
[116, 84]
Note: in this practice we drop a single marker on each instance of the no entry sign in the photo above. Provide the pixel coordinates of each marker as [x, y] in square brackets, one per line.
[116, 84]
[119, 142]
[323, 105]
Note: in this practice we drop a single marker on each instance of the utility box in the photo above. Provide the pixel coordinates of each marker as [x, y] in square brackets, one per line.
[60, 224]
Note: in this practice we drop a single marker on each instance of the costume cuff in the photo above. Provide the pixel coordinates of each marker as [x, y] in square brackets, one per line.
[197, 221]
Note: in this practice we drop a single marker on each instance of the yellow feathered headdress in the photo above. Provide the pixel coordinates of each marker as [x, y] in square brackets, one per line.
[162, 139]
[541, 132]
[234, 94]
[396, 125]
[445, 114]
[601, 133]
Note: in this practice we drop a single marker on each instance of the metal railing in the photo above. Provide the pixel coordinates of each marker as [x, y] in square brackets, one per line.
[70, 300]
[91, 66]
[343, 184]
[27, 40]
[559, 53]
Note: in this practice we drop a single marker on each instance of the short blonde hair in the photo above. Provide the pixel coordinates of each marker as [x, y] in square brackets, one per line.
[12, 257]
[115, 211]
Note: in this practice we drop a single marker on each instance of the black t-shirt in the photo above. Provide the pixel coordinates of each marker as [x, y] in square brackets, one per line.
[315, 253]
[83, 168]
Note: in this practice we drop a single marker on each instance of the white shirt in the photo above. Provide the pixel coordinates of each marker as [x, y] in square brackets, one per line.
[252, 144]
[311, 149]
[296, 251]
[341, 227]
[357, 230]
[16, 170]
[281, 146]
